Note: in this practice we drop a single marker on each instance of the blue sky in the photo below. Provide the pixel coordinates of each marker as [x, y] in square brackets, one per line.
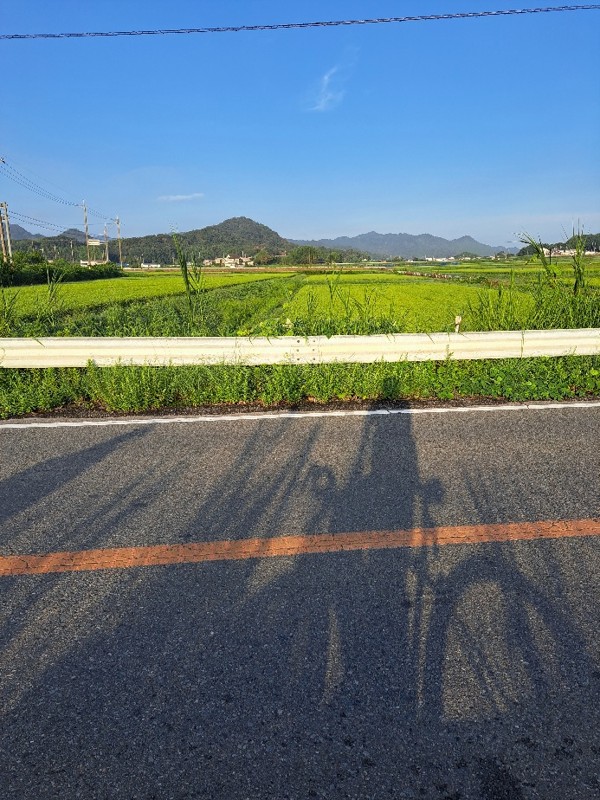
[487, 127]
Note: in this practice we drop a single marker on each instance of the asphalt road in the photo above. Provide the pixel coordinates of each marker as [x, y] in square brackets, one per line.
[463, 672]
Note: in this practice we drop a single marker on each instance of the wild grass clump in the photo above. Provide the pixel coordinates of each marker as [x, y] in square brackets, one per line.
[352, 317]
[558, 306]
[9, 299]
[547, 305]
[505, 309]
[550, 303]
[47, 311]
[195, 289]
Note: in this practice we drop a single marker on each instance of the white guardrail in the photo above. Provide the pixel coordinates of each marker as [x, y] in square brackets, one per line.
[107, 351]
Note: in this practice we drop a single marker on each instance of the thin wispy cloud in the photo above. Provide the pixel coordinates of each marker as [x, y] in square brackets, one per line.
[179, 198]
[330, 93]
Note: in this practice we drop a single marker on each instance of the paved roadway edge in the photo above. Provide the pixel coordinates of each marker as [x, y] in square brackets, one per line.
[279, 415]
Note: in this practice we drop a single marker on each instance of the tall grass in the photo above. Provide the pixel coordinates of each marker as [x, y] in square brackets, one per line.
[54, 296]
[9, 298]
[551, 270]
[346, 314]
[578, 261]
[238, 309]
[502, 310]
[8, 309]
[196, 294]
[549, 303]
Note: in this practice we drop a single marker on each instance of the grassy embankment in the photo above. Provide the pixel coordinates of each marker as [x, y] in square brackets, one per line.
[303, 305]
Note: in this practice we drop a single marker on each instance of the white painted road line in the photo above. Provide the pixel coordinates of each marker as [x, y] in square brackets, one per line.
[278, 415]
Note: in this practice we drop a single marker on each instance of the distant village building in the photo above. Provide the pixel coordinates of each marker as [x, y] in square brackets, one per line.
[229, 261]
[571, 252]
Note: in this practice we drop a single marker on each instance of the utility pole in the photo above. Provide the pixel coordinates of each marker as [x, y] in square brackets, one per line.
[118, 221]
[105, 244]
[2, 243]
[87, 235]
[5, 227]
[8, 241]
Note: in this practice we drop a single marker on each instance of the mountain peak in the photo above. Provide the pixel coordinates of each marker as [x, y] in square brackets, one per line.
[406, 245]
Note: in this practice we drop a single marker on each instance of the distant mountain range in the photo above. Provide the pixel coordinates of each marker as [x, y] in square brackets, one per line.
[19, 234]
[406, 245]
[241, 234]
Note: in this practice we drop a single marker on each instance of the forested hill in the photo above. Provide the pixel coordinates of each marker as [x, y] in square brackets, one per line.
[231, 237]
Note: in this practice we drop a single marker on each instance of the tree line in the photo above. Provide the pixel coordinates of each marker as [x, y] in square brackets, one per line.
[591, 240]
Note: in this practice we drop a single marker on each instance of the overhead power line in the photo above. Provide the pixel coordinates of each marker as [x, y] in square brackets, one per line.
[38, 222]
[13, 174]
[41, 223]
[27, 183]
[300, 25]
[32, 176]
[95, 213]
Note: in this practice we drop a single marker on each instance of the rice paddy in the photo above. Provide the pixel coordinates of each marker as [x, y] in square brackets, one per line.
[284, 303]
[339, 301]
[133, 286]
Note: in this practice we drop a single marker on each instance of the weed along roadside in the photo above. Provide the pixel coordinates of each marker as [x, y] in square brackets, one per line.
[296, 304]
[145, 388]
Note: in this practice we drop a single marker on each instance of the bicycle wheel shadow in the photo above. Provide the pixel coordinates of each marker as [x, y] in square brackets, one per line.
[416, 672]
[428, 657]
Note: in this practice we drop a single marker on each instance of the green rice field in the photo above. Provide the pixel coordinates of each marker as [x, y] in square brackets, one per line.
[132, 286]
[244, 304]
[420, 305]
[284, 303]
[519, 271]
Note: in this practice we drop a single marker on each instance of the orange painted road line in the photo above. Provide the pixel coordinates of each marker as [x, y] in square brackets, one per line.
[241, 549]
